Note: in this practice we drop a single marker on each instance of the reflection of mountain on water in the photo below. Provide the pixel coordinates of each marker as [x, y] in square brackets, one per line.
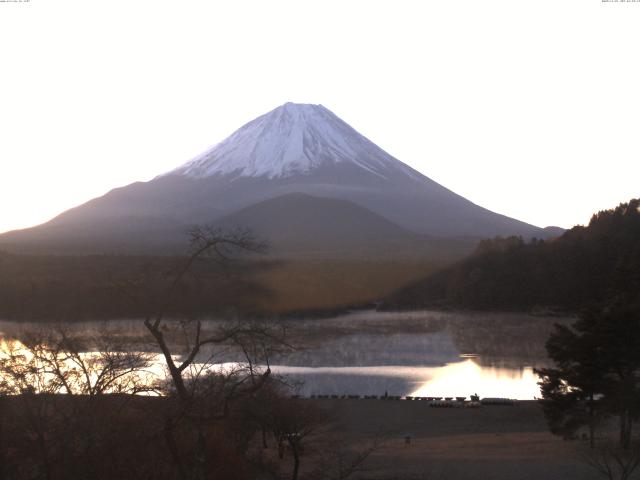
[508, 340]
[512, 363]
[372, 350]
[370, 338]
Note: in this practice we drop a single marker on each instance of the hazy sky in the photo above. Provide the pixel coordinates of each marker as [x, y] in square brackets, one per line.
[530, 108]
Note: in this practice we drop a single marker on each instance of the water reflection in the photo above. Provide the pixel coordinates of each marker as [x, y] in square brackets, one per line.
[370, 353]
[372, 350]
[461, 378]
[466, 377]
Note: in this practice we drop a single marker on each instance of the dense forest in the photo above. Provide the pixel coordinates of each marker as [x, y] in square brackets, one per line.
[586, 265]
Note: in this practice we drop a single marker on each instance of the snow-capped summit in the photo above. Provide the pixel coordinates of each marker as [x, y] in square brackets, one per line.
[262, 169]
[290, 140]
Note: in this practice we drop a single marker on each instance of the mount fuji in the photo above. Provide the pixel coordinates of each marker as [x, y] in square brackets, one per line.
[294, 139]
[291, 153]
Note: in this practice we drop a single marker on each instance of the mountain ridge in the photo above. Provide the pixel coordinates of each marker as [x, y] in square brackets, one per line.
[299, 221]
[312, 152]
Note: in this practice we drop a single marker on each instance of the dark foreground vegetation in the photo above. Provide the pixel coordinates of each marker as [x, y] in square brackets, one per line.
[595, 384]
[238, 435]
[597, 373]
[585, 265]
[358, 439]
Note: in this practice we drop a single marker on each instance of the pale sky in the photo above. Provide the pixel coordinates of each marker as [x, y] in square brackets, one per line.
[529, 108]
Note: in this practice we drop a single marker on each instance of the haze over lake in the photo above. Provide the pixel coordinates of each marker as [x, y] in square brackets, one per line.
[426, 353]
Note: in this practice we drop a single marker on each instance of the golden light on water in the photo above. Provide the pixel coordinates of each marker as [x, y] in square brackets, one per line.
[467, 377]
[88, 366]
[462, 378]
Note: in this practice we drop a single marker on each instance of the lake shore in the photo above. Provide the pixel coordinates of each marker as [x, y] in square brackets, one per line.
[490, 442]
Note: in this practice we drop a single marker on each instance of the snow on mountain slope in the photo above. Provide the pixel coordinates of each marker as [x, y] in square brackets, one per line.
[294, 149]
[290, 140]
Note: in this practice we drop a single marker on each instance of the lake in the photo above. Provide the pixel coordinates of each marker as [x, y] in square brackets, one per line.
[427, 353]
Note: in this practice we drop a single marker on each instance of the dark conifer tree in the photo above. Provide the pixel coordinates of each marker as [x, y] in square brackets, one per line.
[597, 371]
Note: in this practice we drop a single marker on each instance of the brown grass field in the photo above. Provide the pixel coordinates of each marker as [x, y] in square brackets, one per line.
[490, 442]
[318, 284]
[72, 288]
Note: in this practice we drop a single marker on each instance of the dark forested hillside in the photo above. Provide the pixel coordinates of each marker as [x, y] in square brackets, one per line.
[585, 265]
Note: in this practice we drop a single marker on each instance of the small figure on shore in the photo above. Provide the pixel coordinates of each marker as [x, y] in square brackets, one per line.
[386, 394]
[407, 441]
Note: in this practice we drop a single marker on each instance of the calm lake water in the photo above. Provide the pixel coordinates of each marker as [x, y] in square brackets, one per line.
[417, 353]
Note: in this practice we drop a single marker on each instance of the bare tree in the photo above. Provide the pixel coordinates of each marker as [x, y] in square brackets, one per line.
[206, 243]
[293, 421]
[612, 461]
[61, 432]
[58, 361]
[204, 393]
[339, 461]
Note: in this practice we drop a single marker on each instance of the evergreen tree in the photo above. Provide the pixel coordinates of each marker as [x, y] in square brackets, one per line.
[597, 371]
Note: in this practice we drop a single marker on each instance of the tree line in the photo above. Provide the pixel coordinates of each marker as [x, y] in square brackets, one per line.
[586, 265]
